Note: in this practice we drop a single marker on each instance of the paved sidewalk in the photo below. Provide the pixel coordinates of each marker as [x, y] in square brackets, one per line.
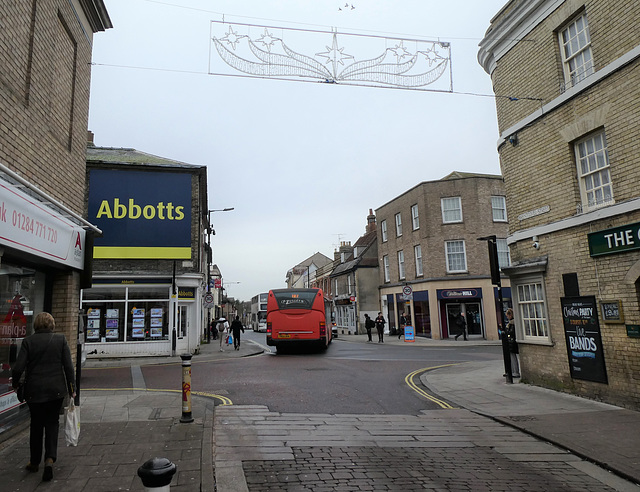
[122, 429]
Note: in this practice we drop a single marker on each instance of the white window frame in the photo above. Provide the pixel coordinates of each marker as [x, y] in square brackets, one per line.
[349, 286]
[385, 265]
[398, 224]
[451, 209]
[504, 255]
[335, 287]
[450, 259]
[532, 318]
[499, 208]
[417, 252]
[415, 218]
[575, 49]
[594, 171]
[401, 272]
[383, 228]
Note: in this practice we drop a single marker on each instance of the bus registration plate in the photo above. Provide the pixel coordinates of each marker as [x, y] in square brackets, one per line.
[285, 335]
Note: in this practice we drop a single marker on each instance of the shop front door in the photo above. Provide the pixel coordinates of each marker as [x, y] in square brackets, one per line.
[184, 321]
[472, 314]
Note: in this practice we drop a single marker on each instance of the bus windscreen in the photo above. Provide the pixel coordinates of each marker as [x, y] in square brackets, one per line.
[295, 300]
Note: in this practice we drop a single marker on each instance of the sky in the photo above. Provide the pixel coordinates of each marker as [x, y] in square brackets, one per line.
[300, 163]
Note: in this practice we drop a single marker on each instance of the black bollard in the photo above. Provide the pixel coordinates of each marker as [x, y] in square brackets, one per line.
[156, 474]
[186, 389]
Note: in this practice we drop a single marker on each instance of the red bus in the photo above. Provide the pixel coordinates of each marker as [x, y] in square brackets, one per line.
[296, 316]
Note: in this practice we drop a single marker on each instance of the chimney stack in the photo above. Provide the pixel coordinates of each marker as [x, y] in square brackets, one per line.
[371, 222]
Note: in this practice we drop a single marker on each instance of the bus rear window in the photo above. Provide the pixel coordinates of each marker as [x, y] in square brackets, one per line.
[295, 300]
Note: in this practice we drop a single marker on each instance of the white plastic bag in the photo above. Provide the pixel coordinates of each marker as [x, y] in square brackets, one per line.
[71, 424]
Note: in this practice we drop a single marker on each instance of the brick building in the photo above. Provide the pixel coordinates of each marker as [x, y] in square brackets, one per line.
[45, 55]
[567, 83]
[150, 264]
[432, 266]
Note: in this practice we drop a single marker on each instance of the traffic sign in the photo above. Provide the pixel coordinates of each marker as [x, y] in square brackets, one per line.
[407, 290]
[208, 300]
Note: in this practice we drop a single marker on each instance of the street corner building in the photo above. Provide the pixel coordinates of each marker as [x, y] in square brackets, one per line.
[150, 263]
[434, 267]
[567, 84]
[45, 250]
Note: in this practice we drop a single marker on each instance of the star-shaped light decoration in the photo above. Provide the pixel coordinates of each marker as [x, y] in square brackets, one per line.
[232, 38]
[400, 51]
[432, 55]
[267, 39]
[335, 55]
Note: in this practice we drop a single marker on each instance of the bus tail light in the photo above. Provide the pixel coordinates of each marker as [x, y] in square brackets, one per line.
[268, 328]
[323, 329]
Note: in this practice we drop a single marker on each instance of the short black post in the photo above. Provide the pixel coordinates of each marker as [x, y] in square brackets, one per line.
[156, 474]
[186, 389]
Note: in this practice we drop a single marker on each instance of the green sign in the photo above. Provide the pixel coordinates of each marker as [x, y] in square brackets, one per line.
[615, 240]
[633, 331]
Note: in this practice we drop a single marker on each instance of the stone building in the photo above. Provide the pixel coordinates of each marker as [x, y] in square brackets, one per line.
[354, 281]
[567, 83]
[150, 264]
[432, 266]
[45, 55]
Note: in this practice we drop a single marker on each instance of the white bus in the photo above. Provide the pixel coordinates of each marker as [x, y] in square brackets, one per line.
[259, 312]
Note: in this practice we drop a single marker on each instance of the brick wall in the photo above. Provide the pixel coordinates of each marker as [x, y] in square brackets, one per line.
[540, 171]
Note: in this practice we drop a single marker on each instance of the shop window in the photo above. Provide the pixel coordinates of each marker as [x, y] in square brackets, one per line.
[132, 319]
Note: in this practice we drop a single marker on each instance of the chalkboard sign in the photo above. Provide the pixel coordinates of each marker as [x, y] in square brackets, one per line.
[612, 311]
[584, 343]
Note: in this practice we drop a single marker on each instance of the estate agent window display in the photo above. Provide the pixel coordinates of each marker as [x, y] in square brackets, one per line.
[126, 314]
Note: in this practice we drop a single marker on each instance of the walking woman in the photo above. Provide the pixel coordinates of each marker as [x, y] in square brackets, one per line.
[45, 359]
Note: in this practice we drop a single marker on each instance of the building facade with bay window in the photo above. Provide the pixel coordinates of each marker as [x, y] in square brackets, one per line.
[570, 158]
[432, 265]
[149, 269]
[45, 241]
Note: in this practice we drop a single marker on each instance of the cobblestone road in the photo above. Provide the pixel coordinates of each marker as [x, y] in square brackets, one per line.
[445, 450]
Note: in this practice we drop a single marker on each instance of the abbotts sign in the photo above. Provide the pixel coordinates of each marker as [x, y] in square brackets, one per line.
[142, 214]
[615, 240]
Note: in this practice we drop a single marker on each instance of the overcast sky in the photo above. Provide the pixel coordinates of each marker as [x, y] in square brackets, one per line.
[302, 163]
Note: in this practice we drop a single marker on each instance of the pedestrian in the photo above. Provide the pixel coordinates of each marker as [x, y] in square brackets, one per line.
[45, 360]
[513, 345]
[213, 329]
[403, 322]
[380, 322]
[368, 324]
[461, 323]
[236, 327]
[223, 325]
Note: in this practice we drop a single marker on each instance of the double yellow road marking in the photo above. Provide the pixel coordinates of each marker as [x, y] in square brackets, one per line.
[409, 380]
[223, 399]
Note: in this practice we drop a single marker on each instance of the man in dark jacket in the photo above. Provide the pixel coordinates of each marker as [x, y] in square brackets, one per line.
[236, 327]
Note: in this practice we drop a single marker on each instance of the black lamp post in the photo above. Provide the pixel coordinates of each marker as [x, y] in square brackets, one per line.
[495, 279]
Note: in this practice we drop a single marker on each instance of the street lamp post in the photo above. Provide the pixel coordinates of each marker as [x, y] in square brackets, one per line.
[495, 279]
[210, 260]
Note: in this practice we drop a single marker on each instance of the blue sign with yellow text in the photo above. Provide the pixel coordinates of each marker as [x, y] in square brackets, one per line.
[143, 215]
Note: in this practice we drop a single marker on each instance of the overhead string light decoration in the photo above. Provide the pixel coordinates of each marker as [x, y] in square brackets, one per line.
[379, 61]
